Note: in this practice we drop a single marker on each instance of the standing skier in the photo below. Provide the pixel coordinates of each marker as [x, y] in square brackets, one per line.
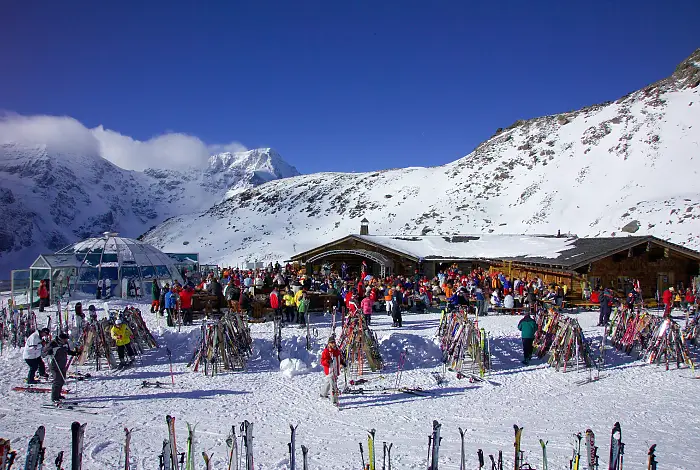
[79, 318]
[161, 302]
[43, 292]
[171, 298]
[32, 354]
[528, 328]
[396, 304]
[667, 298]
[59, 350]
[275, 302]
[155, 295]
[186, 304]
[606, 303]
[366, 306]
[122, 334]
[330, 352]
[302, 308]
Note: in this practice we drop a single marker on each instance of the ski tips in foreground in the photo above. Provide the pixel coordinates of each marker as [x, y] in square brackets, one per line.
[585, 451]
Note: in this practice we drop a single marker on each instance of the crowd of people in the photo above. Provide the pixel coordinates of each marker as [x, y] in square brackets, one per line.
[290, 289]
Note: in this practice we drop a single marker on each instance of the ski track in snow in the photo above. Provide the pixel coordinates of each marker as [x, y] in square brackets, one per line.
[652, 404]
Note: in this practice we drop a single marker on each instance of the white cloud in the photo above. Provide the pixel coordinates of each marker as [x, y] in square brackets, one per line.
[59, 134]
[62, 134]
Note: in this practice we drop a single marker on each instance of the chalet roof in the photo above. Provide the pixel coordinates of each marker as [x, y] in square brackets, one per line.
[463, 247]
[588, 250]
[564, 252]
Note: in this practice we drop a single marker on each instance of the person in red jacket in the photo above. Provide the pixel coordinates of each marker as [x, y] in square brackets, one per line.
[275, 302]
[689, 298]
[43, 295]
[186, 304]
[330, 357]
[667, 298]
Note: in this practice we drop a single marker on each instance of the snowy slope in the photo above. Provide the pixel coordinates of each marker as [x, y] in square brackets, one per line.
[589, 172]
[652, 404]
[51, 199]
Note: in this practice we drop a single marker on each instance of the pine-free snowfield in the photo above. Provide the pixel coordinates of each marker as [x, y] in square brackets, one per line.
[653, 405]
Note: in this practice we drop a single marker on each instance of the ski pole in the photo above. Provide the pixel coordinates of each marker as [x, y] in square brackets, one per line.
[384, 458]
[362, 455]
[388, 454]
[430, 440]
[170, 360]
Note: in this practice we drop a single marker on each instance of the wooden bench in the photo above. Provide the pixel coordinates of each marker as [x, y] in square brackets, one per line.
[578, 305]
[509, 311]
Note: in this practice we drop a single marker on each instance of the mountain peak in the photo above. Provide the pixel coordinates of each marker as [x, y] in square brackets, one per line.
[266, 163]
[689, 70]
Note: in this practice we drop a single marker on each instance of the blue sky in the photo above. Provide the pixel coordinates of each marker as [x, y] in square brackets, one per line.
[333, 85]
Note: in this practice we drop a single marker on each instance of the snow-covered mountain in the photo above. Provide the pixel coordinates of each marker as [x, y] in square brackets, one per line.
[630, 164]
[51, 199]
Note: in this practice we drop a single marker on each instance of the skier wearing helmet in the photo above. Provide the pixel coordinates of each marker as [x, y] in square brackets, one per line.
[122, 336]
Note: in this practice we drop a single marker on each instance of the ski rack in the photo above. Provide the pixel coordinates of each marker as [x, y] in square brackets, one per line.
[224, 343]
[562, 338]
[461, 338]
[358, 344]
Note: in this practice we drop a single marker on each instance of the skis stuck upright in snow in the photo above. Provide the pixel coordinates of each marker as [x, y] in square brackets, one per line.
[232, 443]
[127, 449]
[247, 436]
[36, 450]
[78, 434]
[292, 447]
[617, 448]
[240, 455]
[434, 446]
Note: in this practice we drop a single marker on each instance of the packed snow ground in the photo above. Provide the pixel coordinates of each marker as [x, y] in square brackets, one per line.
[652, 404]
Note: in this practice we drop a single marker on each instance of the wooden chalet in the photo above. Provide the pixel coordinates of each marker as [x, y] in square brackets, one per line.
[609, 262]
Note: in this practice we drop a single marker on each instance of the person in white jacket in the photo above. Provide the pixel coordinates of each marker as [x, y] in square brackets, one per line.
[509, 301]
[33, 348]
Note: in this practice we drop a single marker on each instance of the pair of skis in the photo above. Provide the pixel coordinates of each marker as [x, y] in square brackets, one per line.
[575, 462]
[617, 448]
[246, 430]
[434, 440]
[170, 459]
[247, 439]
[479, 454]
[36, 450]
[292, 451]
[371, 453]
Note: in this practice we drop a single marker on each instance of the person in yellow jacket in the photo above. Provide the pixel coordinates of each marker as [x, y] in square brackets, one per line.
[297, 297]
[290, 306]
[121, 334]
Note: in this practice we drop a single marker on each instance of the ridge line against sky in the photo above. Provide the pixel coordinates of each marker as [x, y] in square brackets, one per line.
[354, 86]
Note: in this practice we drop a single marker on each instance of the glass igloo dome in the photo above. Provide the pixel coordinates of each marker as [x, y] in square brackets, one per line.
[127, 263]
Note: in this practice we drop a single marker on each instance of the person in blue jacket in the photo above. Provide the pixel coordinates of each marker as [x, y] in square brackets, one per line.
[171, 298]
